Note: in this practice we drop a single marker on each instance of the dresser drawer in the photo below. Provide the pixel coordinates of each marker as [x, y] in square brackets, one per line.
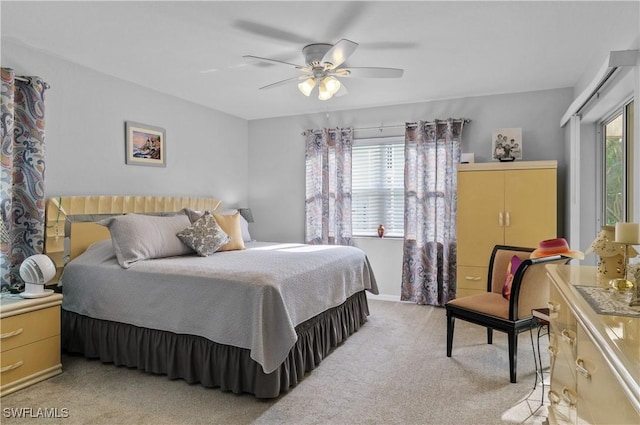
[602, 399]
[562, 365]
[29, 327]
[29, 359]
[562, 393]
[472, 277]
[561, 316]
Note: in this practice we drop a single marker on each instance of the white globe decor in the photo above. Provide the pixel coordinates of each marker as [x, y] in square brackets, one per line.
[36, 271]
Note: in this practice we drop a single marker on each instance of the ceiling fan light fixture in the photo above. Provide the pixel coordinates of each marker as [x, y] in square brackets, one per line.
[328, 87]
[307, 86]
[323, 65]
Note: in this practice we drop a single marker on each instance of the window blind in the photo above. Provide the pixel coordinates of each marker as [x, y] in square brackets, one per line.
[378, 187]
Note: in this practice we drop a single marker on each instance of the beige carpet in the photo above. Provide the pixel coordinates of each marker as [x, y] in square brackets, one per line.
[393, 371]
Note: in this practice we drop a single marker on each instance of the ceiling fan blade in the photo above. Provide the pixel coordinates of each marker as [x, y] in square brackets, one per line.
[271, 32]
[370, 72]
[276, 61]
[284, 82]
[340, 52]
[389, 45]
[344, 17]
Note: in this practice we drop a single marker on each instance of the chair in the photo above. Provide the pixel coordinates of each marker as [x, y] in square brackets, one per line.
[529, 290]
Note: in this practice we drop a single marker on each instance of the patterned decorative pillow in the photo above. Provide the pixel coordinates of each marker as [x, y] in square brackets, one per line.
[511, 271]
[244, 225]
[204, 236]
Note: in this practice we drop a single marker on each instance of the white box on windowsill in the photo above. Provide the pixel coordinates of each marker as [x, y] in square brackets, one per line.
[467, 158]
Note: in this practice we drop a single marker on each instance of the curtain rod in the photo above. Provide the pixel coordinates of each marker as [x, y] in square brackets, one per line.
[615, 60]
[410, 124]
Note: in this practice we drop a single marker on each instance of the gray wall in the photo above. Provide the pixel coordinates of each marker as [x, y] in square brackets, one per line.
[276, 158]
[86, 110]
[276, 146]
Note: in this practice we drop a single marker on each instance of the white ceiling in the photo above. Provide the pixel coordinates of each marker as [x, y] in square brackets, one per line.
[450, 49]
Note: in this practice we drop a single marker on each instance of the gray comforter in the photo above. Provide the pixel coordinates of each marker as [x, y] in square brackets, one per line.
[251, 299]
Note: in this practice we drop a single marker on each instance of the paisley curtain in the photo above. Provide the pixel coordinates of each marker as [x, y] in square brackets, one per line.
[22, 176]
[328, 186]
[432, 152]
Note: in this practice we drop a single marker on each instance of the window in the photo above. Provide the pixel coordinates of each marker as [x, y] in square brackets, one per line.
[617, 140]
[378, 186]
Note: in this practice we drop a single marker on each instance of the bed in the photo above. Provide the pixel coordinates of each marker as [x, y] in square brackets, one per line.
[253, 319]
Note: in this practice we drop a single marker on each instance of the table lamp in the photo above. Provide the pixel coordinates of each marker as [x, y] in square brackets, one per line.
[625, 234]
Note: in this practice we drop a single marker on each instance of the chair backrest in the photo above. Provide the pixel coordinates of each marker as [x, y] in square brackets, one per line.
[500, 257]
[530, 286]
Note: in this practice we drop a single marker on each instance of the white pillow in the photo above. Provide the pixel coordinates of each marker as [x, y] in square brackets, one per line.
[138, 237]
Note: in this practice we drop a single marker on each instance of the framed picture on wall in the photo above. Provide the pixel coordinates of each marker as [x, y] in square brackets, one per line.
[145, 145]
[506, 144]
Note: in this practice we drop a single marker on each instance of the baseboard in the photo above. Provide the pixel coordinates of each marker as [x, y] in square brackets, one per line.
[383, 297]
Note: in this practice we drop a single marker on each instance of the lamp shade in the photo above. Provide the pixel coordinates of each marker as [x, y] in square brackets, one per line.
[307, 86]
[628, 233]
[328, 87]
[37, 269]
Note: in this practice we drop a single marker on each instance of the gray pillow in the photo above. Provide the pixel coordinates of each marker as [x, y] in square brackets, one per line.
[138, 237]
[204, 236]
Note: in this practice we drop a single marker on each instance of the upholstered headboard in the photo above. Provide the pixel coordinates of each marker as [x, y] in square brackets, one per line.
[70, 220]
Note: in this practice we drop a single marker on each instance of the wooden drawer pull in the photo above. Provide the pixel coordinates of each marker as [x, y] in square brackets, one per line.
[570, 397]
[554, 398]
[11, 367]
[581, 369]
[568, 336]
[553, 307]
[476, 278]
[12, 333]
[553, 350]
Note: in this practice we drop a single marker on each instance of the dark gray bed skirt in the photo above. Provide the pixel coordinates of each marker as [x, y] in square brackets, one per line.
[199, 360]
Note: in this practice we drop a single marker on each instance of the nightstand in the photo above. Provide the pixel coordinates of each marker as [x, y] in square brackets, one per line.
[29, 341]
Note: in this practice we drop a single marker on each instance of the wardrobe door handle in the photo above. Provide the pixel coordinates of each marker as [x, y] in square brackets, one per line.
[500, 219]
[12, 333]
[508, 215]
[11, 367]
[476, 278]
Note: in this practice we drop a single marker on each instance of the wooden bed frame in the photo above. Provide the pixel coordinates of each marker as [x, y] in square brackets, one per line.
[70, 220]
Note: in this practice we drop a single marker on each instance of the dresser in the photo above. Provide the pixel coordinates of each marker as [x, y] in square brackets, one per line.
[29, 341]
[501, 203]
[594, 358]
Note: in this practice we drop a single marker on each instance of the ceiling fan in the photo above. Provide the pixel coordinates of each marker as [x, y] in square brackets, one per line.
[323, 69]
